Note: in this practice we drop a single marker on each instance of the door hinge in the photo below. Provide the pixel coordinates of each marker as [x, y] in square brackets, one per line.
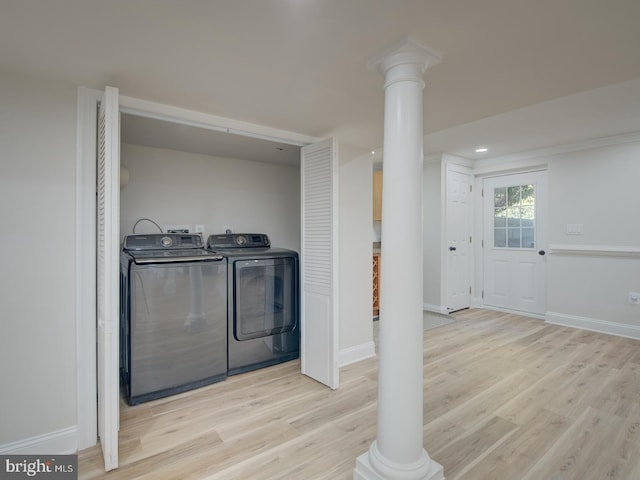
[482, 243]
[470, 188]
[483, 294]
[469, 290]
[470, 239]
[482, 193]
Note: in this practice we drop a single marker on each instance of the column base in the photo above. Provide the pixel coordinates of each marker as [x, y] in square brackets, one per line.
[380, 469]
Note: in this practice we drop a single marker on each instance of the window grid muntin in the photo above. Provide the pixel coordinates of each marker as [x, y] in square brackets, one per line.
[514, 217]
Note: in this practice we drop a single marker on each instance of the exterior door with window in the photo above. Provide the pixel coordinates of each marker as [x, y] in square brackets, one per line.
[515, 240]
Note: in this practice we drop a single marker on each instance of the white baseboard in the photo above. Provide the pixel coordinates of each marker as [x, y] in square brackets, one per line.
[60, 442]
[594, 325]
[356, 353]
[515, 312]
[435, 308]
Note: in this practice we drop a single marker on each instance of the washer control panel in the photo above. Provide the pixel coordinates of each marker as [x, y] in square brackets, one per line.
[162, 241]
[238, 240]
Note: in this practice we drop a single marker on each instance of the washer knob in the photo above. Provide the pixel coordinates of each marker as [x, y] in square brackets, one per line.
[166, 241]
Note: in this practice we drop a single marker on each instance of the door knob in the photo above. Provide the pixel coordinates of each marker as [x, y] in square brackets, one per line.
[541, 252]
[452, 249]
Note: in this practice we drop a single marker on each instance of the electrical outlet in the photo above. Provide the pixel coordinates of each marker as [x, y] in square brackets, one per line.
[177, 228]
[634, 298]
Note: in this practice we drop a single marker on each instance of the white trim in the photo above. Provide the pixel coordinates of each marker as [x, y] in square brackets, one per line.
[562, 148]
[431, 158]
[529, 160]
[108, 278]
[515, 312]
[476, 302]
[456, 160]
[158, 111]
[504, 169]
[319, 261]
[59, 442]
[593, 325]
[85, 226]
[455, 164]
[597, 250]
[354, 354]
[87, 428]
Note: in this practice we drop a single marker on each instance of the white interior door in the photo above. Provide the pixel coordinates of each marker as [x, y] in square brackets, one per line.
[108, 301]
[458, 181]
[319, 265]
[515, 240]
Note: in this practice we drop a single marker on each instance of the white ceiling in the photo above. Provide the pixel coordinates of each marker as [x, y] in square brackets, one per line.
[300, 65]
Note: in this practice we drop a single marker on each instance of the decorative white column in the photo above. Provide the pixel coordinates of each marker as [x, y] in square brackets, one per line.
[397, 453]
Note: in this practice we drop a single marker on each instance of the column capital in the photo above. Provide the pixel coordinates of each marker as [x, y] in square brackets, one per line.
[406, 51]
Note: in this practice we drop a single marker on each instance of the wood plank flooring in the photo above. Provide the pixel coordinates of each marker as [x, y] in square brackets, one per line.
[505, 397]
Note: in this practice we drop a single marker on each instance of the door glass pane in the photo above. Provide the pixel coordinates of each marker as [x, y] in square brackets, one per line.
[513, 195]
[500, 218]
[264, 298]
[500, 197]
[513, 240]
[528, 240]
[500, 237]
[514, 217]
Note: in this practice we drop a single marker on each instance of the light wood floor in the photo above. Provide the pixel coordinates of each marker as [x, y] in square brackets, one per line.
[505, 397]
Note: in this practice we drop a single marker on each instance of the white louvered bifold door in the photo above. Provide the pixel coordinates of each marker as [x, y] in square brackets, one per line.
[319, 262]
[108, 295]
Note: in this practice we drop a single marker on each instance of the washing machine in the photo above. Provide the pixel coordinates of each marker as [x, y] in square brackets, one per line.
[263, 307]
[173, 315]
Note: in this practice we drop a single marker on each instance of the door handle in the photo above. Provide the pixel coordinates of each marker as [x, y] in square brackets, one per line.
[452, 249]
[541, 252]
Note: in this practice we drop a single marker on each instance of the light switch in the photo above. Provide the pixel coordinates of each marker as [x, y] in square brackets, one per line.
[575, 229]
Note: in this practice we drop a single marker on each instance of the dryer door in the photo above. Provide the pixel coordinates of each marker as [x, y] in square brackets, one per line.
[265, 297]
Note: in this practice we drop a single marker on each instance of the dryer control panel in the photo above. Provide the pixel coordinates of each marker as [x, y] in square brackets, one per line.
[238, 240]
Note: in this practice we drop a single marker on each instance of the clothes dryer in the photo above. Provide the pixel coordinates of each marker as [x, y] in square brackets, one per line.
[263, 312]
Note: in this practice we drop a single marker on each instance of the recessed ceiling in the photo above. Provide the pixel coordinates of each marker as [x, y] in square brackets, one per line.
[156, 133]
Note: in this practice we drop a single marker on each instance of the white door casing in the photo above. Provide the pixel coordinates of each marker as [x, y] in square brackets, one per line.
[515, 240]
[86, 257]
[458, 238]
[319, 261]
[108, 301]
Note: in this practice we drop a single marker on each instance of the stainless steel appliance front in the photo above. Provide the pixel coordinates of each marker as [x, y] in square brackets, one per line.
[173, 321]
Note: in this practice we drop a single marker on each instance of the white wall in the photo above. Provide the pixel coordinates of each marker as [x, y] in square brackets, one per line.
[355, 257]
[37, 288]
[598, 189]
[594, 186]
[173, 187]
[432, 211]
